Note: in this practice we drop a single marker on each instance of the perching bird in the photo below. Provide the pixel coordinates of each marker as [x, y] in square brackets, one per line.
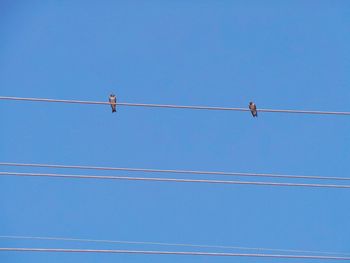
[253, 110]
[113, 102]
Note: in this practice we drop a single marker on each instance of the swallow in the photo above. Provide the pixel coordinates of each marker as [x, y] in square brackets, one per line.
[253, 110]
[113, 102]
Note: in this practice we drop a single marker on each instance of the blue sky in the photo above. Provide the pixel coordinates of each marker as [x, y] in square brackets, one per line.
[280, 54]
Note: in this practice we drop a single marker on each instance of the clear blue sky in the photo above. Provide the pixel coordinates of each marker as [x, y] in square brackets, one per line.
[280, 54]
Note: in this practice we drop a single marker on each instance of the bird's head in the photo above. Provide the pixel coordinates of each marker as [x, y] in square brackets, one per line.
[251, 103]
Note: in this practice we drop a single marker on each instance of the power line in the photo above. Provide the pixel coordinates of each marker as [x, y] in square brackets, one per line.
[196, 172]
[182, 253]
[176, 106]
[170, 244]
[181, 180]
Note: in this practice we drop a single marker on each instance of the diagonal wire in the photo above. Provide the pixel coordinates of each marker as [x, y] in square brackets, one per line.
[181, 180]
[176, 106]
[196, 172]
[171, 244]
[181, 253]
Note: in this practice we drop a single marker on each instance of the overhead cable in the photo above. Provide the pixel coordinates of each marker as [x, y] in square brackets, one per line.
[196, 172]
[181, 253]
[104, 241]
[176, 106]
[181, 180]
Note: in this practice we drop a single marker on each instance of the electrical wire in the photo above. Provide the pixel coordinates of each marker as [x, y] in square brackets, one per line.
[182, 253]
[176, 106]
[171, 244]
[174, 171]
[181, 180]
[174, 180]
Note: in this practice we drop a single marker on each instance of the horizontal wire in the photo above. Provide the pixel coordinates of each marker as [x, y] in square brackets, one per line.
[174, 171]
[181, 180]
[171, 244]
[176, 106]
[182, 253]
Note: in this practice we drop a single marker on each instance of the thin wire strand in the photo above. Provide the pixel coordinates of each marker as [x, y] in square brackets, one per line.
[176, 106]
[182, 253]
[172, 244]
[174, 171]
[181, 180]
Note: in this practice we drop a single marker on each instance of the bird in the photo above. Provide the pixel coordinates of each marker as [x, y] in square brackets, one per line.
[113, 102]
[253, 110]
